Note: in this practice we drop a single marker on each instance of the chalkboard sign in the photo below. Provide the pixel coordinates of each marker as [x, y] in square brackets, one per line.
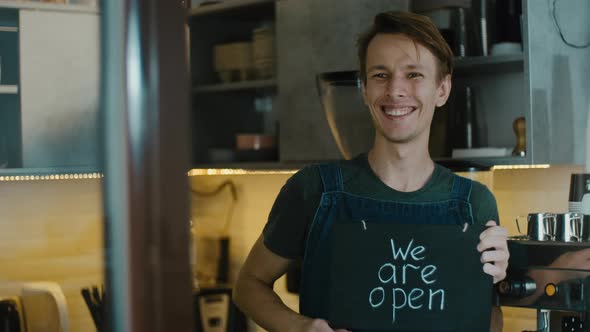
[399, 277]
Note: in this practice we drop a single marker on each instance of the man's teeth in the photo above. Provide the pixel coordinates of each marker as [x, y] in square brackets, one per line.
[397, 111]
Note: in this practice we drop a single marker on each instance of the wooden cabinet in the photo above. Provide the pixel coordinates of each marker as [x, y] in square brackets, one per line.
[545, 84]
[245, 101]
[50, 58]
[310, 36]
[59, 59]
[556, 80]
[10, 153]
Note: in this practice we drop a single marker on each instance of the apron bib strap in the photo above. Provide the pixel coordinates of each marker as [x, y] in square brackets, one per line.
[461, 188]
[331, 177]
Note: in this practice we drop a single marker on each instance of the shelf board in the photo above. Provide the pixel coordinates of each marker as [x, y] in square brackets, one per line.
[491, 63]
[234, 86]
[226, 6]
[8, 89]
[261, 165]
[8, 29]
[483, 161]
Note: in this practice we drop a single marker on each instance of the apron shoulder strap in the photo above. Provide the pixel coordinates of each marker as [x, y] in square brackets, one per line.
[331, 177]
[461, 188]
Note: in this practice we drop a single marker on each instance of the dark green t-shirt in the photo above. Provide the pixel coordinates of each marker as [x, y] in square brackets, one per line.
[295, 206]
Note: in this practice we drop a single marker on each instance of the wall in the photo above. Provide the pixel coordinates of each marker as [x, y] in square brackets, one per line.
[52, 231]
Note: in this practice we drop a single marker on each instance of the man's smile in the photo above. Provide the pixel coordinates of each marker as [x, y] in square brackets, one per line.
[397, 111]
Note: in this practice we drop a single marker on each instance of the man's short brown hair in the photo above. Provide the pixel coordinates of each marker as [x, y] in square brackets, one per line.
[417, 27]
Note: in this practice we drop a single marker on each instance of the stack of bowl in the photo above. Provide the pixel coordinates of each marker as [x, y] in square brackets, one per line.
[263, 47]
[233, 61]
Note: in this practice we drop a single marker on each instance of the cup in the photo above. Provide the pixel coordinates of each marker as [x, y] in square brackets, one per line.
[570, 227]
[540, 226]
[579, 196]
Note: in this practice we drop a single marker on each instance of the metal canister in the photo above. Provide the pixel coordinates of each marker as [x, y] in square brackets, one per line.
[570, 227]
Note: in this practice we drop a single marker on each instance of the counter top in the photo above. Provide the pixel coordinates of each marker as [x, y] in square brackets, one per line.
[35, 5]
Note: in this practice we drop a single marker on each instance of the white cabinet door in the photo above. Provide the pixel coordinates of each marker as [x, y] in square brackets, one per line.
[59, 60]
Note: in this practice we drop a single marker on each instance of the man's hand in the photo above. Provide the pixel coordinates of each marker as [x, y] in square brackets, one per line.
[315, 325]
[494, 250]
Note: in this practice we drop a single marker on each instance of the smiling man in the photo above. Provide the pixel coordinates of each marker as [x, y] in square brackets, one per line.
[405, 68]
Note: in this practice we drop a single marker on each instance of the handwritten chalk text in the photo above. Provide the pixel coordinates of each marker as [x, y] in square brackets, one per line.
[407, 266]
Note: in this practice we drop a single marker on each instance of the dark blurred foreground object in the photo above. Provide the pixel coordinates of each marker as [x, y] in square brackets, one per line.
[145, 136]
[11, 315]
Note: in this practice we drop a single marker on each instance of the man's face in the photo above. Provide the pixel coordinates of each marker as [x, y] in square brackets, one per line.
[401, 88]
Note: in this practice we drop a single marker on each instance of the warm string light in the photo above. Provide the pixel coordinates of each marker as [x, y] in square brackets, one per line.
[50, 177]
[238, 171]
[502, 167]
[193, 172]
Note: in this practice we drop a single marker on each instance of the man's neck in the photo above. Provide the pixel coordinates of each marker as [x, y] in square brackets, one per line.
[403, 167]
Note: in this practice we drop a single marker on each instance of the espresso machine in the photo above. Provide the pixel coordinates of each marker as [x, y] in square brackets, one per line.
[549, 270]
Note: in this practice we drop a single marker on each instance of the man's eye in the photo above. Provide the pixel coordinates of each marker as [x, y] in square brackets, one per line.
[414, 75]
[380, 75]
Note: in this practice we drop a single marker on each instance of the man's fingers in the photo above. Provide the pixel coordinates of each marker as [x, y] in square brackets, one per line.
[499, 256]
[494, 231]
[497, 242]
[493, 270]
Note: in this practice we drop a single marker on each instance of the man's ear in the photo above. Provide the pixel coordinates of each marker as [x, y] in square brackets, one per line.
[444, 90]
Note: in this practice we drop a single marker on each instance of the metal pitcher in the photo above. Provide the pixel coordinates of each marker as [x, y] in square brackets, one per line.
[570, 227]
[540, 226]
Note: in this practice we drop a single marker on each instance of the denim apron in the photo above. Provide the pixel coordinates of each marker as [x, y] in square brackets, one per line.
[339, 206]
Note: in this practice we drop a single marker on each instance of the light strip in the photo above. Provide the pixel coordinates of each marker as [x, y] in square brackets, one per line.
[208, 171]
[238, 171]
[501, 167]
[192, 172]
[50, 177]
